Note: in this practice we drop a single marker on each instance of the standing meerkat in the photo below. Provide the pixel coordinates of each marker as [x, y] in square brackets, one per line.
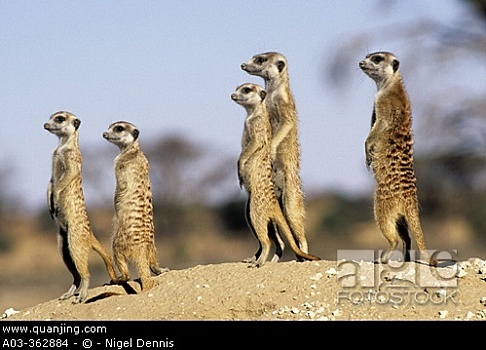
[67, 207]
[133, 233]
[389, 149]
[255, 173]
[285, 147]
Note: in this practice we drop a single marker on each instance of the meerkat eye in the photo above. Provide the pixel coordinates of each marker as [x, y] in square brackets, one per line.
[60, 119]
[377, 59]
[118, 128]
[246, 90]
[261, 60]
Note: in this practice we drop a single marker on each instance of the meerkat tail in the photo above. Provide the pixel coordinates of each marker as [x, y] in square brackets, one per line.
[96, 245]
[416, 229]
[284, 228]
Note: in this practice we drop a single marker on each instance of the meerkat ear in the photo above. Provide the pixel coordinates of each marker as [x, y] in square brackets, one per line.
[135, 134]
[76, 123]
[280, 66]
[395, 65]
[263, 94]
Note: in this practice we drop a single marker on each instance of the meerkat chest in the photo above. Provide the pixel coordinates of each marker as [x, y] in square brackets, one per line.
[66, 159]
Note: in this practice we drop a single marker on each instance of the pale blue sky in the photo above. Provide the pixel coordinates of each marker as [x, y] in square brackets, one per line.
[170, 66]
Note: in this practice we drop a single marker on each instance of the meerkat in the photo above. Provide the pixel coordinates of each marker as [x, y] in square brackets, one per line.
[285, 147]
[67, 206]
[389, 150]
[255, 174]
[133, 232]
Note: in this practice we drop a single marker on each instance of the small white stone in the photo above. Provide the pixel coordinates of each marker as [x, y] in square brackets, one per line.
[331, 272]
[294, 310]
[317, 276]
[441, 293]
[461, 273]
[310, 314]
[470, 315]
[443, 313]
[199, 298]
[9, 312]
[336, 313]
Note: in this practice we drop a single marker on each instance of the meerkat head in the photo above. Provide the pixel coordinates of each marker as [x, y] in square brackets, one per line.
[267, 65]
[122, 134]
[380, 66]
[62, 124]
[249, 95]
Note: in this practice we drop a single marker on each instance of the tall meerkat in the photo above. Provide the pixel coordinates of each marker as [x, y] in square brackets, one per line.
[285, 147]
[255, 173]
[67, 207]
[389, 150]
[133, 233]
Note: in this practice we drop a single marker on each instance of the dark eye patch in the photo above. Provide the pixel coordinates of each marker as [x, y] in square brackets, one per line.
[377, 59]
[59, 119]
[119, 128]
[246, 90]
[261, 60]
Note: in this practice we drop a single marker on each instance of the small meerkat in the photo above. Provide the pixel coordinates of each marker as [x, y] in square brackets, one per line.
[285, 147]
[133, 233]
[389, 150]
[67, 206]
[255, 173]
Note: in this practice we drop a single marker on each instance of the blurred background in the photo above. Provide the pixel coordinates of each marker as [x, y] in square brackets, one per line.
[170, 67]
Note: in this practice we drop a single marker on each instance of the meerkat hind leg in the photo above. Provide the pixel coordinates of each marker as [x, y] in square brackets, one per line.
[83, 291]
[277, 239]
[257, 254]
[69, 293]
[402, 229]
[265, 251]
[122, 265]
[143, 268]
[388, 230]
[292, 210]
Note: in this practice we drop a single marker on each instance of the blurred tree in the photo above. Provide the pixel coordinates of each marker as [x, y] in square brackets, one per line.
[187, 175]
[9, 202]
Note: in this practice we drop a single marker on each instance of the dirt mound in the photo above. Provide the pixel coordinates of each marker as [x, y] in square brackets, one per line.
[322, 290]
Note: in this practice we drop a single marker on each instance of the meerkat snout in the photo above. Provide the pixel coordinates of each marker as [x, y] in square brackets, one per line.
[105, 135]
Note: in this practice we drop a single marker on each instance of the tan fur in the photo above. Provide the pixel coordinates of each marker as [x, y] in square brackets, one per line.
[133, 234]
[285, 147]
[255, 173]
[389, 149]
[67, 207]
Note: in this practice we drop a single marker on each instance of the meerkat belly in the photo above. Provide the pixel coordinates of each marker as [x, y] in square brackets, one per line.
[259, 174]
[394, 172]
[137, 227]
[72, 207]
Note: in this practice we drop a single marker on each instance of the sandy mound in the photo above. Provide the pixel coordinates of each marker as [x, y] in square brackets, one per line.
[323, 290]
